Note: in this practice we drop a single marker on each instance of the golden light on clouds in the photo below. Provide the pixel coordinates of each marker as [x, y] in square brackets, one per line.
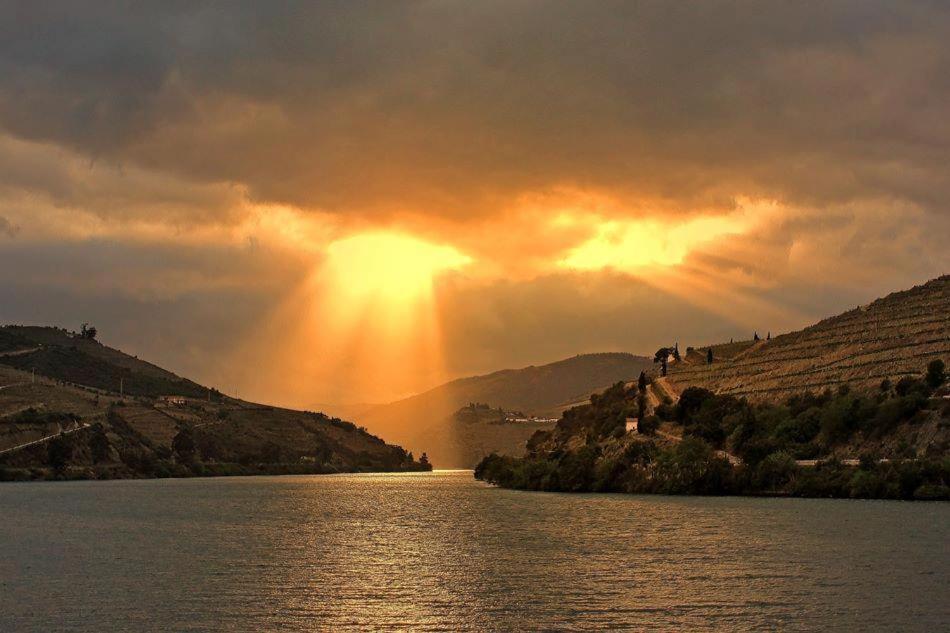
[422, 177]
[626, 246]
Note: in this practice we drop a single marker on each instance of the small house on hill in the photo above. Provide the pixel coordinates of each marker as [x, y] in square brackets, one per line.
[632, 425]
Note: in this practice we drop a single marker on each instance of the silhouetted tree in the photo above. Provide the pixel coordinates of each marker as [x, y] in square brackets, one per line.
[691, 400]
[755, 336]
[905, 385]
[709, 356]
[99, 445]
[648, 425]
[58, 452]
[424, 460]
[88, 332]
[184, 444]
[209, 448]
[662, 355]
[642, 382]
[271, 453]
[936, 375]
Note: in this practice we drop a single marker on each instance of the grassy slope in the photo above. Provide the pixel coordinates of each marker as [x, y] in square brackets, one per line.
[141, 426]
[889, 338]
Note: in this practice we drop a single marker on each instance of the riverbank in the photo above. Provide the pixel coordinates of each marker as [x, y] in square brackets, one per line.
[692, 468]
[889, 443]
[170, 470]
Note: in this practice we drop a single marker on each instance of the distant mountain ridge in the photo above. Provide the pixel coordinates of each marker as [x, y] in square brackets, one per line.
[424, 421]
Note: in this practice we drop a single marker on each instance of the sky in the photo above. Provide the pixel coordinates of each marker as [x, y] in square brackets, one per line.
[346, 202]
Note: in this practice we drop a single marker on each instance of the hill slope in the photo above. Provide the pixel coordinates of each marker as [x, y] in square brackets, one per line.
[856, 405]
[162, 425]
[889, 338]
[58, 354]
[426, 421]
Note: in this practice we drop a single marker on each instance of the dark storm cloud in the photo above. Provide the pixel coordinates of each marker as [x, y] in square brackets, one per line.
[518, 323]
[124, 124]
[456, 107]
[182, 307]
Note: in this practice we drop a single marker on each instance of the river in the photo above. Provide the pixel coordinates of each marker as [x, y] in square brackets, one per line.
[440, 551]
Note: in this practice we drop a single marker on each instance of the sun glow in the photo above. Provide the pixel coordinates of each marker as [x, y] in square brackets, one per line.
[375, 311]
[362, 326]
[388, 268]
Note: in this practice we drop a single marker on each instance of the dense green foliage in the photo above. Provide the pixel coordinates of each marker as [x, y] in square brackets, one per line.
[58, 451]
[767, 438]
[936, 374]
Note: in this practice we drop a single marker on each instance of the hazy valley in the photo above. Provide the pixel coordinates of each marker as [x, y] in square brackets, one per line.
[429, 421]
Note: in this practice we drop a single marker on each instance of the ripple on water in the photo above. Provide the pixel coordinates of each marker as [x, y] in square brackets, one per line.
[442, 552]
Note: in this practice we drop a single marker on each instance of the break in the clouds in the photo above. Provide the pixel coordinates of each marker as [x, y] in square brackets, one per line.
[752, 149]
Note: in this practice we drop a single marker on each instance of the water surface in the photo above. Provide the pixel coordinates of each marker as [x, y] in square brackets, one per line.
[441, 551]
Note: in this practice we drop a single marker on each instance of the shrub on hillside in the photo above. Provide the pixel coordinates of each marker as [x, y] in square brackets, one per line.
[908, 385]
[59, 451]
[648, 425]
[99, 444]
[935, 374]
[666, 412]
[775, 471]
[690, 401]
[183, 444]
[691, 467]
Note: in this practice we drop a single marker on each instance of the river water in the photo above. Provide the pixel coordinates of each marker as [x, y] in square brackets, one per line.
[440, 551]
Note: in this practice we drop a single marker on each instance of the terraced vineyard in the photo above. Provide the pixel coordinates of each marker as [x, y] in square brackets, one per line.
[60, 390]
[889, 338]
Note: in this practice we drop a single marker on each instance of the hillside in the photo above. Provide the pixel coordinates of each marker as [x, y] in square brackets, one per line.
[856, 405]
[426, 421]
[56, 353]
[888, 338]
[160, 425]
